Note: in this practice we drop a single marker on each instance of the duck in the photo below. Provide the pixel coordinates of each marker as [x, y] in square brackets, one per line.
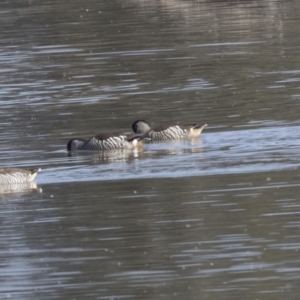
[105, 141]
[167, 133]
[17, 175]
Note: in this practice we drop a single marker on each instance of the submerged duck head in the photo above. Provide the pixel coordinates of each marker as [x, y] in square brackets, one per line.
[74, 144]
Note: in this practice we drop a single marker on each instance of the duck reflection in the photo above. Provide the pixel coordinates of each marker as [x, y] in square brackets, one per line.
[176, 151]
[193, 145]
[24, 188]
[108, 156]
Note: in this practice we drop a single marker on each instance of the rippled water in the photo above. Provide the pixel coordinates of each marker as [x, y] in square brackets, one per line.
[207, 218]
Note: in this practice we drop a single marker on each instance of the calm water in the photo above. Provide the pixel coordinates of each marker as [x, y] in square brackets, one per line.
[216, 217]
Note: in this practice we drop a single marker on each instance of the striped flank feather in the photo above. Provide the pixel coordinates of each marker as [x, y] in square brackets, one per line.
[17, 175]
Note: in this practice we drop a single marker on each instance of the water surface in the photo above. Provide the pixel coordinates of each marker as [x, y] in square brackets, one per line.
[212, 217]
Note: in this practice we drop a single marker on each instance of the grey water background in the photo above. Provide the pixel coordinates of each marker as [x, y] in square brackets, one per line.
[213, 218]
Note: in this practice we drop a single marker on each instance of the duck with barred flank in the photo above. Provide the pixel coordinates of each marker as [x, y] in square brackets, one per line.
[167, 133]
[106, 141]
[17, 175]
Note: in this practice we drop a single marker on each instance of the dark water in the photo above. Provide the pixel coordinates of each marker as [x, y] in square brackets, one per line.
[216, 217]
